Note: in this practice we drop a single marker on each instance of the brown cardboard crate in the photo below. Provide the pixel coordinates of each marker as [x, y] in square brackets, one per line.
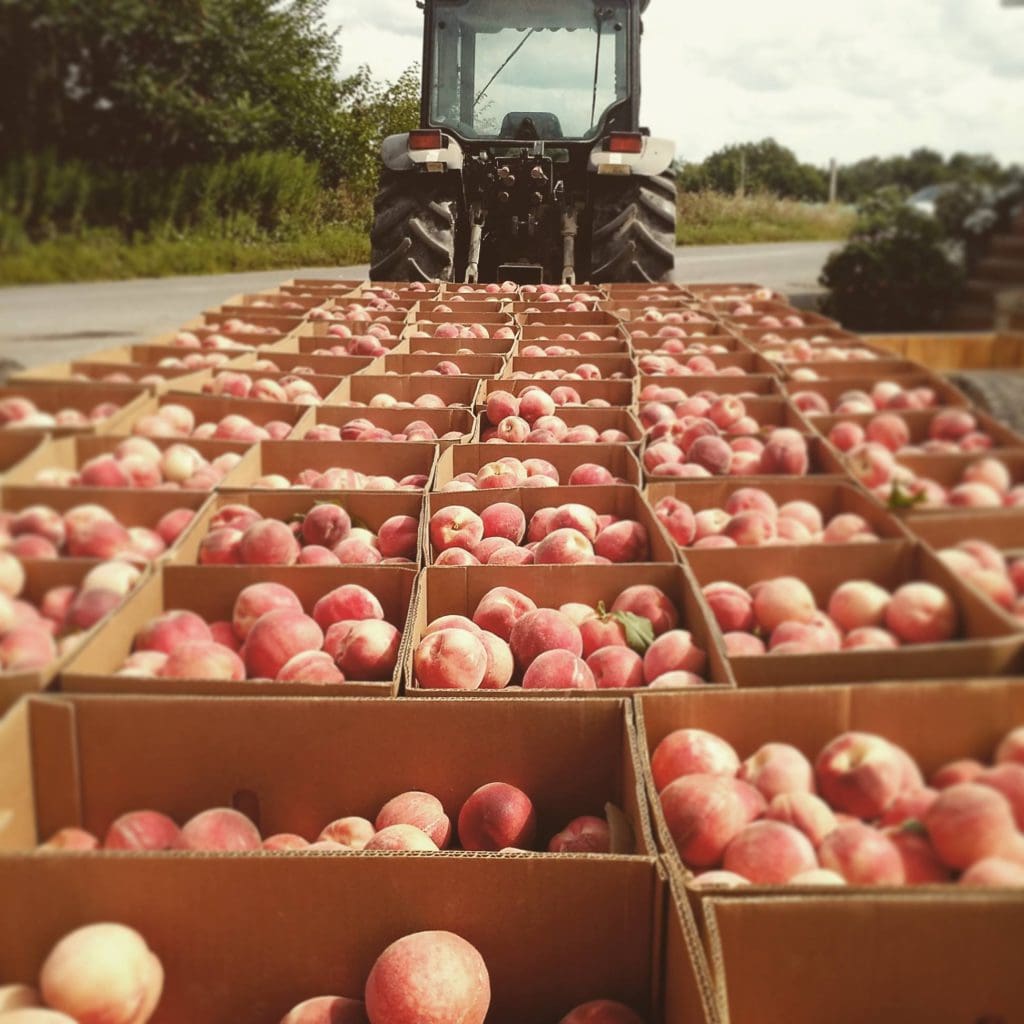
[570, 930]
[948, 471]
[832, 496]
[614, 392]
[159, 350]
[41, 576]
[51, 396]
[15, 448]
[274, 300]
[650, 291]
[748, 384]
[882, 368]
[470, 458]
[461, 306]
[310, 338]
[733, 291]
[455, 349]
[490, 318]
[210, 409]
[623, 502]
[759, 336]
[443, 421]
[576, 416]
[554, 318]
[210, 591]
[983, 647]
[326, 387]
[644, 337]
[742, 361]
[367, 508]
[609, 339]
[288, 459]
[612, 367]
[453, 390]
[212, 320]
[97, 758]
[141, 374]
[416, 364]
[779, 310]
[457, 590]
[833, 390]
[298, 362]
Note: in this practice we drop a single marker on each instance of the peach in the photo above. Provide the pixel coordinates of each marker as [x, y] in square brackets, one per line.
[862, 855]
[1011, 747]
[704, 813]
[203, 660]
[563, 547]
[502, 404]
[310, 667]
[964, 769]
[784, 599]
[540, 631]
[994, 873]
[769, 853]
[369, 650]
[920, 864]
[1007, 779]
[275, 638]
[71, 839]
[19, 997]
[750, 529]
[692, 752]
[591, 474]
[911, 805]
[991, 473]
[455, 527]
[858, 604]
[268, 542]
[171, 630]
[420, 809]
[921, 613]
[678, 518]
[259, 599]
[616, 667]
[650, 603]
[712, 454]
[969, 822]
[142, 830]
[731, 605]
[434, 976]
[778, 768]
[674, 651]
[450, 659]
[602, 1011]
[558, 670]
[30, 647]
[401, 837]
[325, 525]
[804, 811]
[861, 774]
[500, 609]
[718, 879]
[503, 519]
[327, 1010]
[625, 541]
[238, 517]
[347, 602]
[847, 435]
[785, 453]
[102, 974]
[870, 638]
[500, 663]
[601, 631]
[818, 876]
[804, 512]
[743, 645]
[351, 832]
[586, 834]
[220, 829]
[496, 816]
[398, 537]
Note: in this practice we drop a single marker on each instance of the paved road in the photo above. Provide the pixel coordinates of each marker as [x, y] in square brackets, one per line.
[52, 323]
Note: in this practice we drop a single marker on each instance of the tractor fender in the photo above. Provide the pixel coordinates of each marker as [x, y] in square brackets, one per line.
[655, 158]
[397, 156]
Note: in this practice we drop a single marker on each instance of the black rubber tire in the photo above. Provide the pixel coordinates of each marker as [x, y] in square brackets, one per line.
[999, 394]
[413, 234]
[633, 234]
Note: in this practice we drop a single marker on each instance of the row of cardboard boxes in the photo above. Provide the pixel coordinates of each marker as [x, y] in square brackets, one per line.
[252, 934]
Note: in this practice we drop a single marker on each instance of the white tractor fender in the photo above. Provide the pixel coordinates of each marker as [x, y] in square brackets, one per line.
[397, 155]
[655, 158]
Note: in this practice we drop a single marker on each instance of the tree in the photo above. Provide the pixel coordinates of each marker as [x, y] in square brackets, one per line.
[763, 166]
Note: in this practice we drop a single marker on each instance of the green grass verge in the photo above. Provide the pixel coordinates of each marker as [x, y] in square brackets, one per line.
[711, 218]
[107, 256]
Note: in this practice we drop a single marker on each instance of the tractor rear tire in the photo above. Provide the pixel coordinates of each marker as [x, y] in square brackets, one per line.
[413, 234]
[634, 230]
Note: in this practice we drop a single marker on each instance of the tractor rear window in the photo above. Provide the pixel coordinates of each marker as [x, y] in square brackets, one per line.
[528, 69]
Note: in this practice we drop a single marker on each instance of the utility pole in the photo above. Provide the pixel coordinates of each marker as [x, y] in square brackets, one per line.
[743, 174]
[833, 182]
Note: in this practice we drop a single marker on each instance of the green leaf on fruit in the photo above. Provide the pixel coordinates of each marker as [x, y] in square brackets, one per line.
[638, 629]
[914, 826]
[899, 498]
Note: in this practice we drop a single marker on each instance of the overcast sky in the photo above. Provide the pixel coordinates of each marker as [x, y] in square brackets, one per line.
[832, 78]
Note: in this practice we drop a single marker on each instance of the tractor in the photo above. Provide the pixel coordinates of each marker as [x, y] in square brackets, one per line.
[529, 164]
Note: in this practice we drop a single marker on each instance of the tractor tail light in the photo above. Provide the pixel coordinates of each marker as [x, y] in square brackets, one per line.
[425, 139]
[625, 142]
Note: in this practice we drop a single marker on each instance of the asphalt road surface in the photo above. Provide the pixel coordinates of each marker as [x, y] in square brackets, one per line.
[53, 323]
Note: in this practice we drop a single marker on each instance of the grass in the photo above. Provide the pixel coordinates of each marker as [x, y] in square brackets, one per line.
[95, 255]
[712, 218]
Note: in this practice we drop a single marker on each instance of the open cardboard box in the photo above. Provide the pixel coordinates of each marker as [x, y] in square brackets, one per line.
[832, 496]
[457, 590]
[371, 458]
[366, 508]
[613, 499]
[15, 447]
[948, 470]
[311, 338]
[212, 409]
[833, 389]
[42, 575]
[299, 362]
[454, 349]
[416, 364]
[609, 365]
[160, 349]
[885, 367]
[644, 337]
[612, 339]
[776, 309]
[651, 291]
[462, 306]
[614, 392]
[248, 938]
[211, 591]
[732, 291]
[750, 383]
[816, 335]
[454, 391]
[471, 458]
[107, 373]
[85, 761]
[443, 421]
[601, 419]
[589, 320]
[983, 646]
[51, 396]
[273, 300]
[326, 387]
[492, 318]
[747, 362]
[214, 321]
[71, 453]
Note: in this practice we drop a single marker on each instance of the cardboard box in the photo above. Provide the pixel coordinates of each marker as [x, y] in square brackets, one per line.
[443, 421]
[248, 938]
[214, 321]
[454, 391]
[51, 396]
[983, 647]
[297, 362]
[746, 361]
[96, 758]
[624, 502]
[312, 337]
[114, 372]
[732, 291]
[15, 447]
[421, 363]
[274, 300]
[612, 337]
[454, 348]
[371, 458]
[326, 387]
[600, 419]
[457, 590]
[882, 368]
[643, 335]
[750, 383]
[468, 308]
[588, 320]
[210, 409]
[471, 458]
[160, 349]
[614, 392]
[608, 365]
[211, 591]
[490, 318]
[948, 470]
[919, 422]
[758, 336]
[834, 389]
[811, 321]
[832, 496]
[40, 576]
[367, 508]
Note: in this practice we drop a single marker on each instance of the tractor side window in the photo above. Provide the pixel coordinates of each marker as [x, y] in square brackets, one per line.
[528, 69]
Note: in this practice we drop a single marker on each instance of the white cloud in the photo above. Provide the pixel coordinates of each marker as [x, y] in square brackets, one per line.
[845, 80]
